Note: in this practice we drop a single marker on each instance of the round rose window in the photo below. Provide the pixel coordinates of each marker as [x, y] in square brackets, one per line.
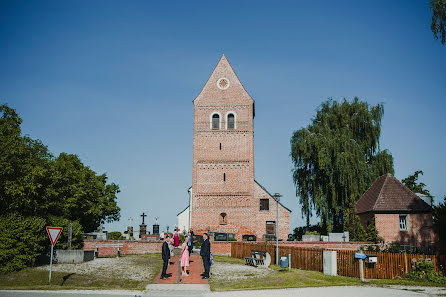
[223, 83]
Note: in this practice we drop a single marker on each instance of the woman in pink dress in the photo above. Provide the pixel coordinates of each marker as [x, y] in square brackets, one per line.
[184, 257]
[176, 239]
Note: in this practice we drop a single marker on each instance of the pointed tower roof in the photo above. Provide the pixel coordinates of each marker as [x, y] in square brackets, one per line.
[388, 195]
[223, 85]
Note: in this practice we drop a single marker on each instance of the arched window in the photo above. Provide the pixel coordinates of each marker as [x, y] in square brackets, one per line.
[223, 218]
[231, 121]
[215, 121]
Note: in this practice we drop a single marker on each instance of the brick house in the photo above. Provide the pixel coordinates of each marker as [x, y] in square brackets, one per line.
[224, 195]
[399, 214]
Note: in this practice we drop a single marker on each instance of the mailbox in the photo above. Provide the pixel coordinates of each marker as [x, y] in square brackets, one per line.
[371, 259]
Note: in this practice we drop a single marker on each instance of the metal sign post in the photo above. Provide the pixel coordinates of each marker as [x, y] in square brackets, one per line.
[53, 233]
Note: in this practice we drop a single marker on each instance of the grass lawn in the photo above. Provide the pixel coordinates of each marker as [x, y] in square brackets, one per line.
[37, 279]
[297, 278]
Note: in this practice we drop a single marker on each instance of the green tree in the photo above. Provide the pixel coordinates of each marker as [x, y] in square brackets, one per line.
[439, 218]
[85, 196]
[43, 190]
[418, 188]
[116, 235]
[336, 158]
[353, 225]
[438, 25]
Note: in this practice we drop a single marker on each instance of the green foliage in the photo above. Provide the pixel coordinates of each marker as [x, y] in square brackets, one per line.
[299, 231]
[116, 235]
[312, 233]
[438, 25]
[371, 233]
[418, 188]
[353, 225]
[424, 270]
[232, 239]
[33, 182]
[439, 218]
[182, 236]
[21, 241]
[336, 158]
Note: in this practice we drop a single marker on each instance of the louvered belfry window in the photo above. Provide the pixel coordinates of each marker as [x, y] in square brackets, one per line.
[231, 121]
[215, 121]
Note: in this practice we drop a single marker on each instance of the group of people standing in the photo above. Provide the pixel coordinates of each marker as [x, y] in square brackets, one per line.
[186, 250]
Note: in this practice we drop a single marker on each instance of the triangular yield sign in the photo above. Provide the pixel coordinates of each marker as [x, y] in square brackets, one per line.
[53, 233]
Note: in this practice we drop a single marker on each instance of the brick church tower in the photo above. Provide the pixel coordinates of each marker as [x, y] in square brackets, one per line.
[225, 198]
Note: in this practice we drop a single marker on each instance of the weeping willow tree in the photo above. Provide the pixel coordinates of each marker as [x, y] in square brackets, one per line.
[336, 158]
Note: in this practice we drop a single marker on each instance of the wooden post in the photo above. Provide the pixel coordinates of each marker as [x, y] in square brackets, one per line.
[405, 261]
[70, 233]
[361, 269]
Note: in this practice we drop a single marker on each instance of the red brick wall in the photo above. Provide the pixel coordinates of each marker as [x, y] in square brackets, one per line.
[420, 229]
[237, 196]
[221, 248]
[129, 246]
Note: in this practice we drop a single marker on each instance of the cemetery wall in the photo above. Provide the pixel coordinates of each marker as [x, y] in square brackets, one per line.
[129, 246]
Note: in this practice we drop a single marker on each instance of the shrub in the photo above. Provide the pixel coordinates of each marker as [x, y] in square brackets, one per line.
[232, 239]
[22, 239]
[116, 235]
[424, 270]
[312, 233]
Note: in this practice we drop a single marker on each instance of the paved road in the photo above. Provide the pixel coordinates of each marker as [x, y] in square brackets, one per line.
[178, 290]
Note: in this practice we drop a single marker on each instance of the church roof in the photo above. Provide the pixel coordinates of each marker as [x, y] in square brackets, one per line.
[264, 189]
[388, 195]
[183, 210]
[223, 69]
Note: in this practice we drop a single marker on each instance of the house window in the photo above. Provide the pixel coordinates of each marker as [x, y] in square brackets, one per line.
[264, 204]
[220, 145]
[223, 218]
[231, 121]
[404, 226]
[271, 227]
[215, 121]
[224, 177]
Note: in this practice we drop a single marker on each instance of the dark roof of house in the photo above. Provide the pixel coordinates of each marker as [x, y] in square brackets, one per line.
[388, 194]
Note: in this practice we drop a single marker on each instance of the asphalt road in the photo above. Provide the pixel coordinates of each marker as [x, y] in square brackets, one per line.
[179, 291]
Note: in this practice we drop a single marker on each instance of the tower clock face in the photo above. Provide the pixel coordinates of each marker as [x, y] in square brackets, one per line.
[223, 83]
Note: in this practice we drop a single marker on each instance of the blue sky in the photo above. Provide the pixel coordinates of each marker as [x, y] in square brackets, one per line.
[113, 81]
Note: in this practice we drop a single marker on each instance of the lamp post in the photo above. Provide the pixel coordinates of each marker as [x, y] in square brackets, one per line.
[276, 197]
[190, 206]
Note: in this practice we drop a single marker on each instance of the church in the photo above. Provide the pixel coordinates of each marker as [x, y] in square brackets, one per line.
[224, 196]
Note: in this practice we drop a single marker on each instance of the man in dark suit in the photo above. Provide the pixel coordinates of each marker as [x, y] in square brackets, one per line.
[165, 253]
[205, 253]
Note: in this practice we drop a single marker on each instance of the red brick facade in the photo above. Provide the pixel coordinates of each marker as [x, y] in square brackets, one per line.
[129, 247]
[419, 230]
[225, 197]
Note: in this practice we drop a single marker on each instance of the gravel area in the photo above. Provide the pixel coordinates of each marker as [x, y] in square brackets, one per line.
[230, 271]
[129, 267]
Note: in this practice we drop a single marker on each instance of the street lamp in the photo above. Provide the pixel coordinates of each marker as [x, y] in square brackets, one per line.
[276, 197]
[190, 206]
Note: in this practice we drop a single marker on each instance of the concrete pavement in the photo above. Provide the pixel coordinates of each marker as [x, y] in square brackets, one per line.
[203, 291]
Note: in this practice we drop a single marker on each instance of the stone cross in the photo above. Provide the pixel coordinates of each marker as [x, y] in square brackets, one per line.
[143, 215]
[130, 221]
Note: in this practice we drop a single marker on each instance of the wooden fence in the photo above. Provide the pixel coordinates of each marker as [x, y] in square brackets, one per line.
[389, 265]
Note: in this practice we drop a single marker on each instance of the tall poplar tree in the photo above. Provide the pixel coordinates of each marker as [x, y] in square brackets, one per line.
[336, 158]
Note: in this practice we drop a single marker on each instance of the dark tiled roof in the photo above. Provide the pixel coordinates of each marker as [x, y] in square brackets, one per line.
[388, 194]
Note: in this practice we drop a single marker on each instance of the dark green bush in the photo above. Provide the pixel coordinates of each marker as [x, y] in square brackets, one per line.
[22, 239]
[116, 235]
[424, 270]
